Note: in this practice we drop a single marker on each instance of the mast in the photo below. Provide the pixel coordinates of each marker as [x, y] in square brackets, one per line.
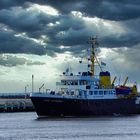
[93, 42]
[32, 83]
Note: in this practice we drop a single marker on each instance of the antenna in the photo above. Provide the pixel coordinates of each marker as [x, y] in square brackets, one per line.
[26, 88]
[32, 83]
[42, 86]
[126, 79]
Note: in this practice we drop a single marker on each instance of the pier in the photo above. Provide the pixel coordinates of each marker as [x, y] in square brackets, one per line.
[15, 102]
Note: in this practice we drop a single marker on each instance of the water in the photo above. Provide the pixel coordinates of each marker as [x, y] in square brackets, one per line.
[26, 126]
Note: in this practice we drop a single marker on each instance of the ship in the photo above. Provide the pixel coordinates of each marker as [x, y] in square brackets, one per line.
[87, 93]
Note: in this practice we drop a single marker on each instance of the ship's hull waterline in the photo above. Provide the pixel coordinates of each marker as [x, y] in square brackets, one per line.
[81, 107]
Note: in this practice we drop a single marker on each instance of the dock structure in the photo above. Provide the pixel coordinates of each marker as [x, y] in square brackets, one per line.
[15, 102]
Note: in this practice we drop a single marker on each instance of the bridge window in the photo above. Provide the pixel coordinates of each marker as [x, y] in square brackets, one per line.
[109, 92]
[95, 92]
[72, 92]
[105, 92]
[101, 92]
[83, 82]
[76, 82]
[90, 92]
[87, 87]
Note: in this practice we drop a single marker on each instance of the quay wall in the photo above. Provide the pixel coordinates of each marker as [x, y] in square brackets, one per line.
[11, 103]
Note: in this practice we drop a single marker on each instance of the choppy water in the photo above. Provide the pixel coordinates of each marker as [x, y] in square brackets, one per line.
[26, 126]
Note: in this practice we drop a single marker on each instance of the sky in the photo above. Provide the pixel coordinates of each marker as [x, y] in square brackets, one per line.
[43, 37]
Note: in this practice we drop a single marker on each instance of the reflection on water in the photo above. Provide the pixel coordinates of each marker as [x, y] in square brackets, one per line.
[27, 126]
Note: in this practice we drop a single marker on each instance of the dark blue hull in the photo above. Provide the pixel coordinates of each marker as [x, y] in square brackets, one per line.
[81, 107]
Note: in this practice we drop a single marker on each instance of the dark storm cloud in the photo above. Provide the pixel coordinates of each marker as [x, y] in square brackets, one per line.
[65, 28]
[114, 10]
[121, 41]
[9, 43]
[10, 3]
[21, 20]
[35, 25]
[107, 9]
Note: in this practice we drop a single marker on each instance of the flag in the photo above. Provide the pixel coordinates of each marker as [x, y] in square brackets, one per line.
[103, 64]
